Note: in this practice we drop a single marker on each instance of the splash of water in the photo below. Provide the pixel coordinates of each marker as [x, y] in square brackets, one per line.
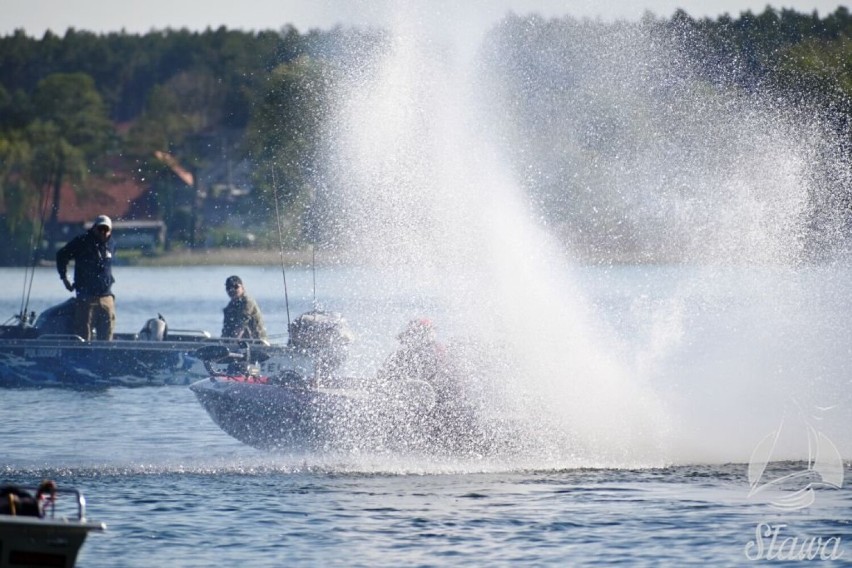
[434, 146]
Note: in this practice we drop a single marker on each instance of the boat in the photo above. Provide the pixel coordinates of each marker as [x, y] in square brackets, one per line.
[44, 352]
[33, 533]
[285, 412]
[409, 411]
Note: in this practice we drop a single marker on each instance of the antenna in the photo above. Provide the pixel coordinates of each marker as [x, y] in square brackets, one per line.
[281, 245]
[312, 234]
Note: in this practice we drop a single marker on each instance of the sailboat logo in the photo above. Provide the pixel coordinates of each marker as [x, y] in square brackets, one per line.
[824, 470]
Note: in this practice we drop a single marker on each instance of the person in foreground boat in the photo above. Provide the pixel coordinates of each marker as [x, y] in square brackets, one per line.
[243, 319]
[16, 501]
[92, 253]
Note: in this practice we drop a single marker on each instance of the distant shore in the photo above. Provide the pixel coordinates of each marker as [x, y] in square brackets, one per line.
[306, 257]
[325, 257]
[235, 257]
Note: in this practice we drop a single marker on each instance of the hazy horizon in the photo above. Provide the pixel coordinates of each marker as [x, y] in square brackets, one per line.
[37, 16]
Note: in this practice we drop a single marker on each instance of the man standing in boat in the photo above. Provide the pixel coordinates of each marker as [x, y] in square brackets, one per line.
[242, 315]
[92, 253]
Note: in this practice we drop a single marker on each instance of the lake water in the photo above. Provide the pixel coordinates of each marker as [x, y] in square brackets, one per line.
[723, 356]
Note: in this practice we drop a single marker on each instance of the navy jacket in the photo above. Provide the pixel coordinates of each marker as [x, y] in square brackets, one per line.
[92, 264]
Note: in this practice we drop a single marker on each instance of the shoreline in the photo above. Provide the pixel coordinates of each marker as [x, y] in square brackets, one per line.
[325, 257]
[319, 257]
[235, 257]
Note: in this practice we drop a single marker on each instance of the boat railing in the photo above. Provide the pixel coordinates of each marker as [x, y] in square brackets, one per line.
[49, 501]
[62, 336]
[173, 335]
[245, 342]
[79, 498]
[194, 334]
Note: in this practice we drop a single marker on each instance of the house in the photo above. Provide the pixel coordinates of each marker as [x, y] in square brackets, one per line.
[127, 201]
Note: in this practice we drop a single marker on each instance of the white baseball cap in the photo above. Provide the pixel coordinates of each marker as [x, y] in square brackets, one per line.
[103, 220]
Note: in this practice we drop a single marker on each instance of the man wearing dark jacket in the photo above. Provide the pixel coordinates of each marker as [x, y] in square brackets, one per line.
[92, 253]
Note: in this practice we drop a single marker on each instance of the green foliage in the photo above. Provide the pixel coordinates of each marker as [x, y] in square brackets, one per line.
[73, 105]
[188, 104]
[229, 237]
[68, 132]
[284, 133]
[262, 97]
[820, 66]
[15, 191]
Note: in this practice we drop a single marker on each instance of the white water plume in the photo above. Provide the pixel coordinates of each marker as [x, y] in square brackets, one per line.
[467, 171]
[637, 151]
[428, 197]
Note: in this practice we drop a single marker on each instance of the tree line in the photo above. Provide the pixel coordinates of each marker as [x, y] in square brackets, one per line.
[71, 105]
[634, 137]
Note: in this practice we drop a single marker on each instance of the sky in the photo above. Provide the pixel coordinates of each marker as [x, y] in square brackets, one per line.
[102, 16]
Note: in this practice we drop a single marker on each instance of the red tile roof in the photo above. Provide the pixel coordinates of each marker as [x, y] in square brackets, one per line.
[116, 193]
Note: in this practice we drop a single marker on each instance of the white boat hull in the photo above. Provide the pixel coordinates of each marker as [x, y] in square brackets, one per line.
[299, 418]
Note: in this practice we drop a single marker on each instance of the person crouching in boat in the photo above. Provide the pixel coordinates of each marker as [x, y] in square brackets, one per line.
[421, 357]
[243, 319]
[92, 253]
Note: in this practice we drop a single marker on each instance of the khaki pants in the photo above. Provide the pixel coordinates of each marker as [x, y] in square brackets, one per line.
[97, 313]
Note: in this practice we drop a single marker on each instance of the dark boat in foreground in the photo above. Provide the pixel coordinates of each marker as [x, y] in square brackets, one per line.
[43, 352]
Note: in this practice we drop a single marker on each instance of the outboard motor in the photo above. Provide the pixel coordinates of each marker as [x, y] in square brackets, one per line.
[23, 329]
[324, 336]
[155, 329]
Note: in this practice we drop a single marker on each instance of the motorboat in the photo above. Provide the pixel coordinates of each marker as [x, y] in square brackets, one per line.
[35, 532]
[267, 410]
[44, 352]
[286, 412]
[417, 410]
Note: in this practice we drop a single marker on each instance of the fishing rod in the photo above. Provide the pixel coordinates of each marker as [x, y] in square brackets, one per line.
[275, 198]
[312, 232]
[29, 272]
[314, 271]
